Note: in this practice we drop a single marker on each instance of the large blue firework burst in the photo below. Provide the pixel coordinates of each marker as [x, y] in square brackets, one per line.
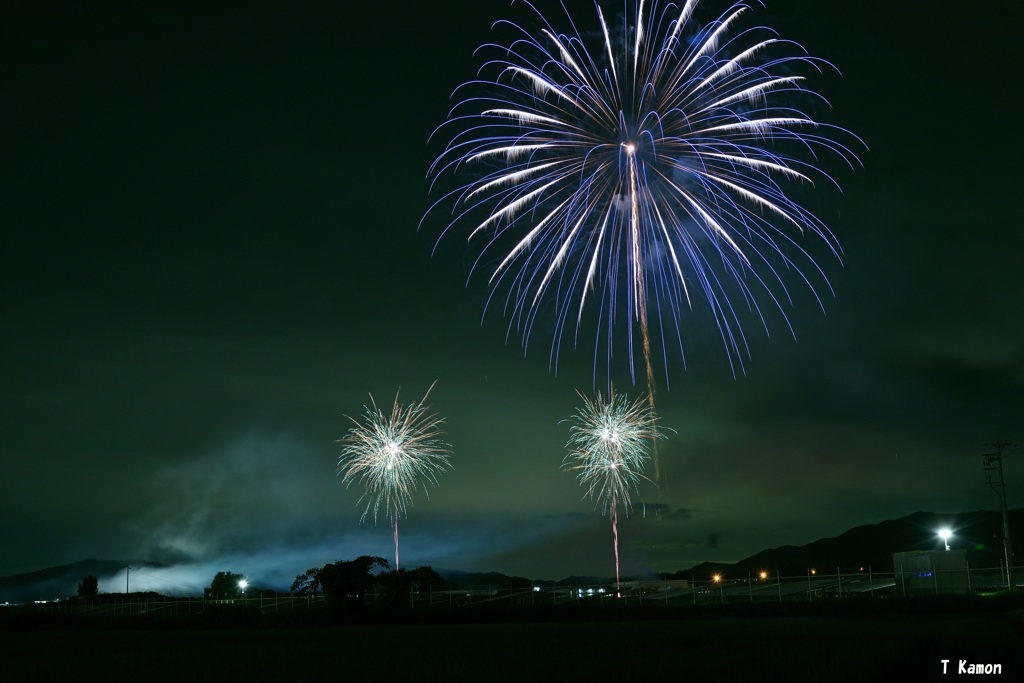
[642, 170]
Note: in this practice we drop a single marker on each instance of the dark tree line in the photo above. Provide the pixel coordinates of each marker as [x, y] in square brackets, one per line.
[354, 584]
[344, 585]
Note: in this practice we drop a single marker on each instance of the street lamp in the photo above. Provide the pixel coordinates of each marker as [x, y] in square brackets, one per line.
[717, 578]
[945, 534]
[242, 584]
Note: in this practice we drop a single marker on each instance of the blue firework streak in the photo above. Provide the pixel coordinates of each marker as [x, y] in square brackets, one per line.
[639, 168]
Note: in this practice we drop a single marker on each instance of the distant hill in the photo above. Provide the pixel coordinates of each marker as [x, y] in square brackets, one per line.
[482, 580]
[62, 581]
[871, 546]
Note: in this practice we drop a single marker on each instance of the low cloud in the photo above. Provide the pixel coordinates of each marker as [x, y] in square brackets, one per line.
[256, 490]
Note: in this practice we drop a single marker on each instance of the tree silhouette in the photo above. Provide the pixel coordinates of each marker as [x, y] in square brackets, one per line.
[308, 583]
[89, 587]
[346, 584]
[224, 585]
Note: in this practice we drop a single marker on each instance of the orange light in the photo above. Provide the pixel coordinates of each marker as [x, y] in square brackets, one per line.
[764, 575]
[717, 578]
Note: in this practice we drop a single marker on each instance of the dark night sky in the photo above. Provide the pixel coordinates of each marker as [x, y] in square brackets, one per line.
[210, 256]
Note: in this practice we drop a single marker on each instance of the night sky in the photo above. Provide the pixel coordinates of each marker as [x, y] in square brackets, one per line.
[210, 256]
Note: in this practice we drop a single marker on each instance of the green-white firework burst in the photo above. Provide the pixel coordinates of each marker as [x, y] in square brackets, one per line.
[609, 447]
[392, 456]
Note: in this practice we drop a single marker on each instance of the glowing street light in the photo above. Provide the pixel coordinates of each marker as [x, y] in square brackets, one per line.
[945, 534]
[717, 579]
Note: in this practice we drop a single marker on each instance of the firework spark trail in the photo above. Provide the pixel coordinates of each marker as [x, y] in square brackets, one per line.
[641, 308]
[394, 455]
[608, 448]
[642, 166]
[615, 544]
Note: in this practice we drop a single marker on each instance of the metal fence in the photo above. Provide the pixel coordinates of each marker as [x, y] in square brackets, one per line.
[750, 587]
[161, 606]
[720, 588]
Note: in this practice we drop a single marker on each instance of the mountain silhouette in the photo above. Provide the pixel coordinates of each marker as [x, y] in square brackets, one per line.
[864, 548]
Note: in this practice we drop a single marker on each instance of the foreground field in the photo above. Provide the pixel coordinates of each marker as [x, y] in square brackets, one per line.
[829, 648]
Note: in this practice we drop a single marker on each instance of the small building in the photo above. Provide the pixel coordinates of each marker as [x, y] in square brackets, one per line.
[931, 572]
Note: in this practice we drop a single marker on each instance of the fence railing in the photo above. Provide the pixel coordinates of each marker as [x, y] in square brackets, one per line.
[721, 588]
[752, 587]
[161, 606]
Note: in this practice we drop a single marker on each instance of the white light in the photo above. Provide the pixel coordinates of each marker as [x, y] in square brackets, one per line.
[945, 534]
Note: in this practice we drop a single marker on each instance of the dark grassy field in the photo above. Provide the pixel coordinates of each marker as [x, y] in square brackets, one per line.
[724, 647]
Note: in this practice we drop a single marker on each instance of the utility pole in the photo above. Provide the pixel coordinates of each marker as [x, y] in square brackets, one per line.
[127, 572]
[993, 463]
